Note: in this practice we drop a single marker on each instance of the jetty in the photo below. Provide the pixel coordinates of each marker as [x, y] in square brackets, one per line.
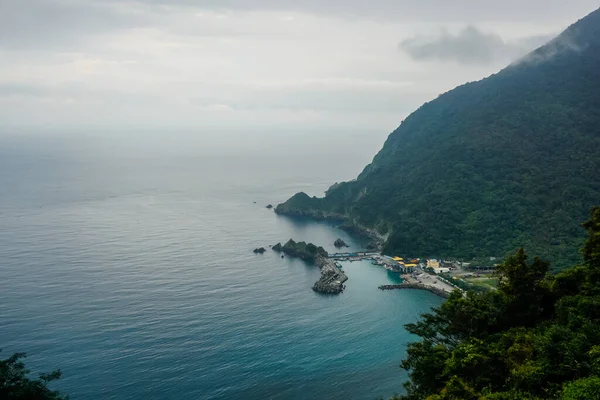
[332, 277]
[357, 256]
[424, 281]
[432, 289]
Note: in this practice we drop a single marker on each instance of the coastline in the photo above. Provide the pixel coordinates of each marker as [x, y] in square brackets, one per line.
[362, 231]
[418, 286]
[332, 278]
[342, 222]
[423, 281]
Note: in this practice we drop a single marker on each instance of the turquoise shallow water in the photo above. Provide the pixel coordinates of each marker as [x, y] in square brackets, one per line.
[129, 265]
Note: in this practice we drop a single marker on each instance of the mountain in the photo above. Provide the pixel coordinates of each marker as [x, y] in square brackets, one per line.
[511, 160]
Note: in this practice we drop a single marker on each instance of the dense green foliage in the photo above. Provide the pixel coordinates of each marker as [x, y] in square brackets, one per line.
[16, 385]
[536, 337]
[490, 166]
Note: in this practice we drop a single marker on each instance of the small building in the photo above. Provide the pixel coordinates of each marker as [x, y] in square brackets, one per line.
[410, 267]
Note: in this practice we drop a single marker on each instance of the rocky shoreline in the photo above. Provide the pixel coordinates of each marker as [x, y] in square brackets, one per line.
[420, 286]
[332, 278]
[339, 243]
[302, 250]
[317, 215]
[376, 239]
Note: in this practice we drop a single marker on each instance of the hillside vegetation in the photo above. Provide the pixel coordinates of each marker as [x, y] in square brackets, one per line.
[536, 337]
[508, 161]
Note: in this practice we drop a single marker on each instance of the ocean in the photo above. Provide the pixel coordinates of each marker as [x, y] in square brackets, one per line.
[126, 261]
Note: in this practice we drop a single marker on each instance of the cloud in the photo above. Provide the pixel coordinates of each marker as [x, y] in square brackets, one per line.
[469, 46]
[242, 62]
[18, 89]
[402, 10]
[40, 23]
[565, 43]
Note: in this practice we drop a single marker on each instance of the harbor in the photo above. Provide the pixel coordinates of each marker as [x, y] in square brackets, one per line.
[434, 290]
[394, 264]
[430, 274]
[412, 271]
[424, 281]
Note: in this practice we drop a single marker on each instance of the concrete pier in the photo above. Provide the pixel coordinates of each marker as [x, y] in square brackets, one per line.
[434, 290]
[332, 278]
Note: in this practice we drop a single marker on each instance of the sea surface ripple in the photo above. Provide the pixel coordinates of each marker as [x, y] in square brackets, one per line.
[130, 267]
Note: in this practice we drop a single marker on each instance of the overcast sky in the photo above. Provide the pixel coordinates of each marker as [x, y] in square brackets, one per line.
[236, 64]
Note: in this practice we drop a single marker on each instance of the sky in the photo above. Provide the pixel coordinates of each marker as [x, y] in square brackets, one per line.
[255, 64]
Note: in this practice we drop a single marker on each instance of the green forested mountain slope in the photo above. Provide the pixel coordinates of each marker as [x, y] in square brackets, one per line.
[512, 160]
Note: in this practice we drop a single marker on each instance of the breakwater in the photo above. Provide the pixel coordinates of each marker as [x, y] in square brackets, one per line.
[332, 278]
[434, 290]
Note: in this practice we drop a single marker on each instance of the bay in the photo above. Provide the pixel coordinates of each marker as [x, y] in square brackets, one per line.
[126, 261]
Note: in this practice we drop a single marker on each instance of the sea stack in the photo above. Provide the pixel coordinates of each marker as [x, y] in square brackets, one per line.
[340, 243]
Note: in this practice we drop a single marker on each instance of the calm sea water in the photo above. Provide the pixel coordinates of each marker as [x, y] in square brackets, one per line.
[128, 264]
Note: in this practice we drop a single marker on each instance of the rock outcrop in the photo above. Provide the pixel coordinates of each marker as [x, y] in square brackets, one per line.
[305, 251]
[340, 243]
[332, 278]
[259, 250]
[373, 246]
[375, 239]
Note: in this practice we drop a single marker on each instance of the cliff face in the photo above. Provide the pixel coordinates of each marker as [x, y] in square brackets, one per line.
[507, 161]
[301, 205]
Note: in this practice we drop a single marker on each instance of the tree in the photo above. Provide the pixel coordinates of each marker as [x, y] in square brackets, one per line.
[15, 384]
[536, 337]
[523, 285]
[582, 389]
[591, 248]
